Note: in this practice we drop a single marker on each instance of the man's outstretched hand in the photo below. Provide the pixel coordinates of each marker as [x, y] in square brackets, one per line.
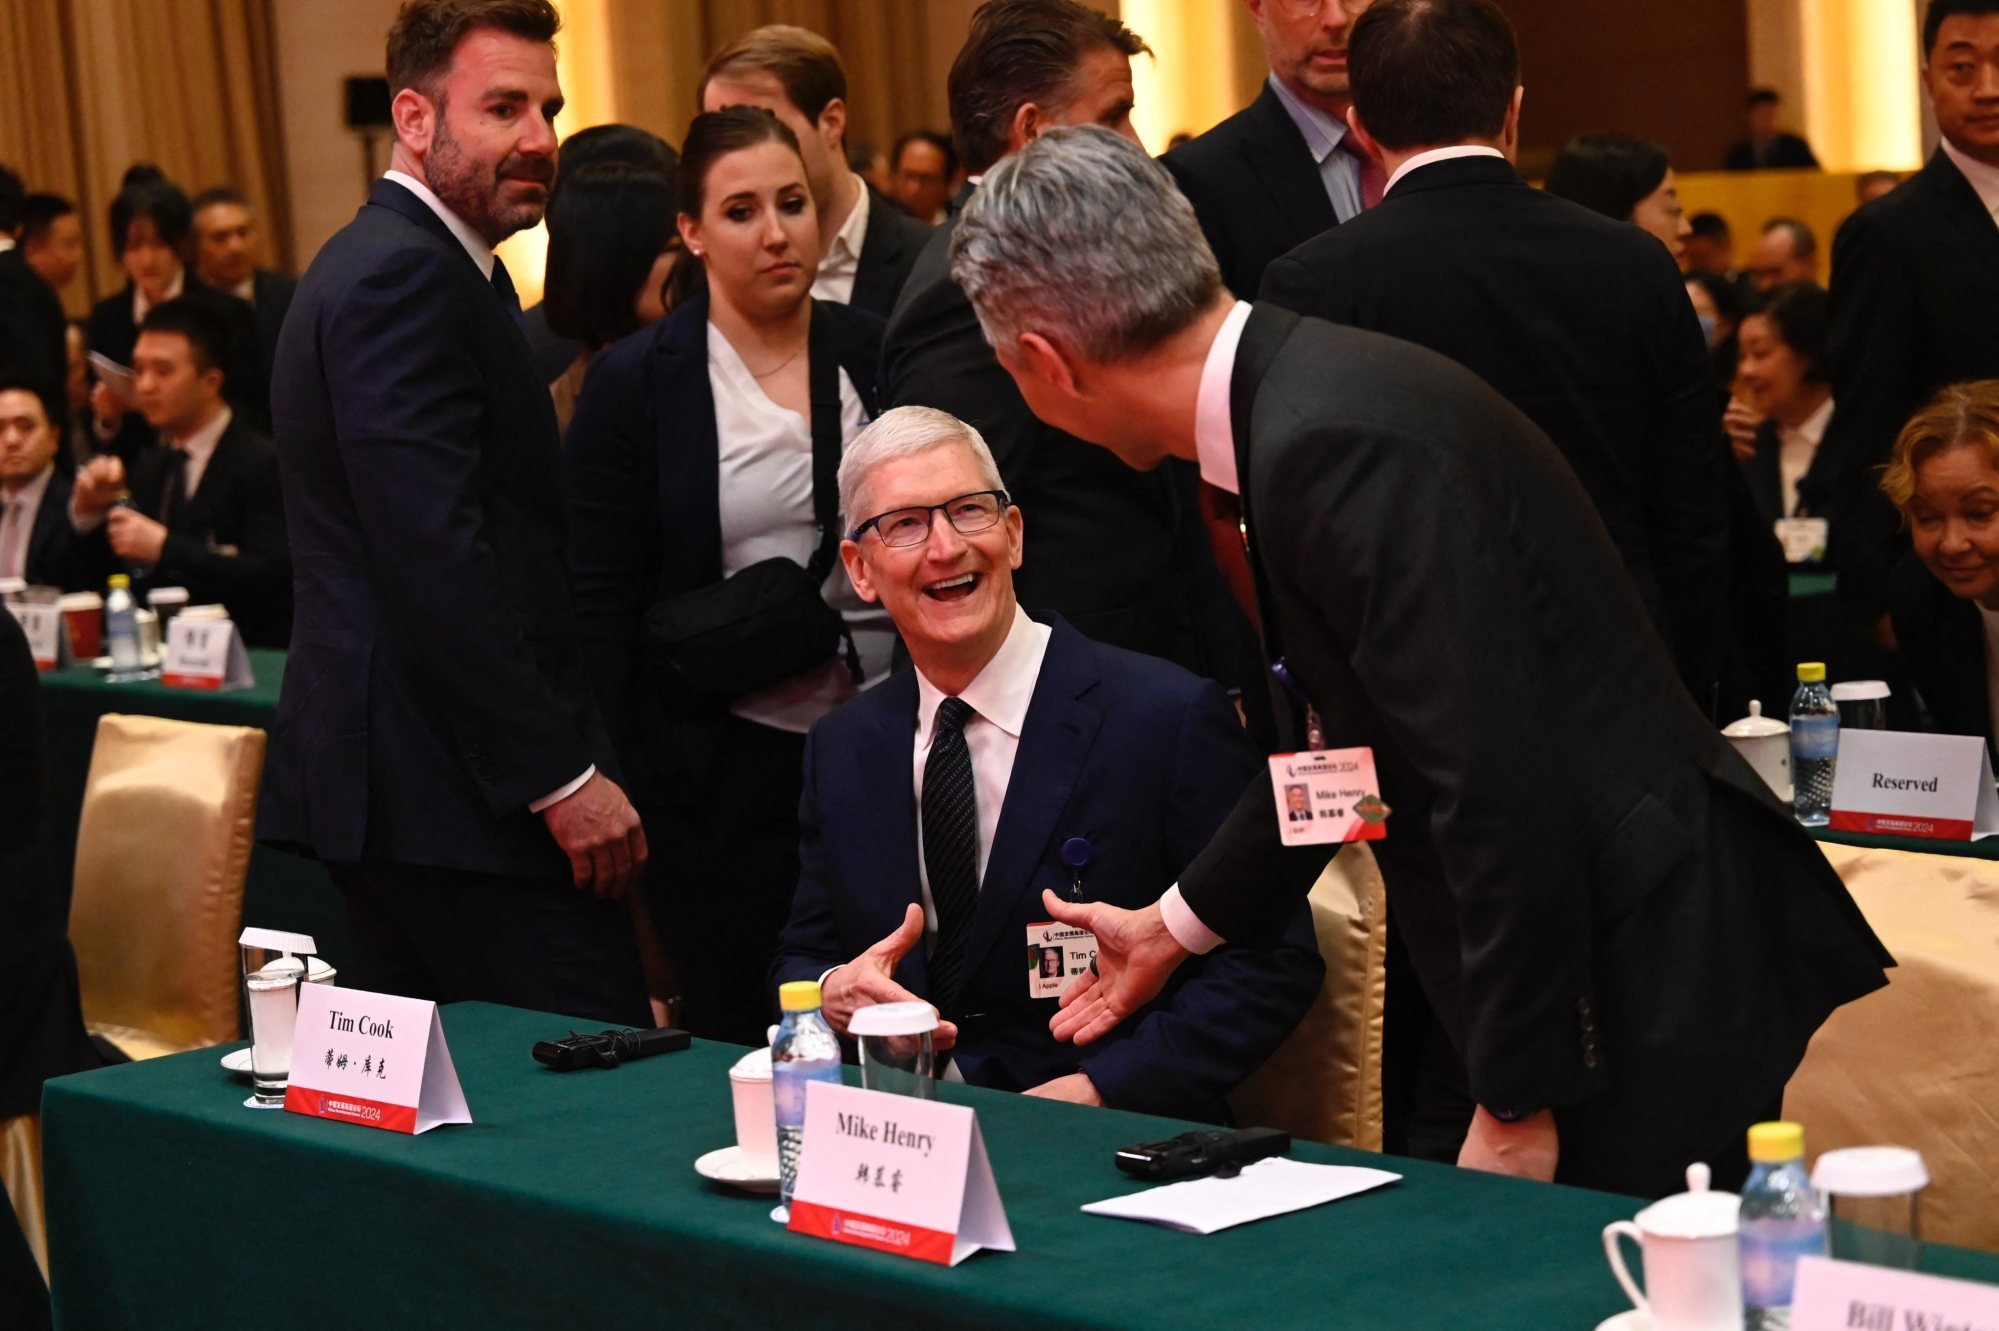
[869, 979]
[1135, 957]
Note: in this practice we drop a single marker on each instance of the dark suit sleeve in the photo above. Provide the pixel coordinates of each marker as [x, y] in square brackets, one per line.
[260, 571]
[1405, 567]
[1222, 1023]
[959, 373]
[810, 945]
[409, 404]
[1287, 283]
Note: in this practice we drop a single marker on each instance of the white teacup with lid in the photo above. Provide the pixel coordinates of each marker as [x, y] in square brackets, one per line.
[1693, 1274]
[1765, 743]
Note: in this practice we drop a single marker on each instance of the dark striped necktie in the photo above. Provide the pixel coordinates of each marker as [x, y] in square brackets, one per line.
[950, 847]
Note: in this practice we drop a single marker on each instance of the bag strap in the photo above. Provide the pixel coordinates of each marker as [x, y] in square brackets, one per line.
[823, 383]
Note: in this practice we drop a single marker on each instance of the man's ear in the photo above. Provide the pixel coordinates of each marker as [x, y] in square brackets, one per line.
[415, 118]
[1046, 362]
[1365, 141]
[1028, 122]
[857, 572]
[1509, 137]
[833, 123]
[1016, 536]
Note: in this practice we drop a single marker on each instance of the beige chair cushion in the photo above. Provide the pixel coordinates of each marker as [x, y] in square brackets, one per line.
[1911, 1065]
[21, 1173]
[162, 848]
[1324, 1082]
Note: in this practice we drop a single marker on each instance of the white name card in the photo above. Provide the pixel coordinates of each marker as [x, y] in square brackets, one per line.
[1845, 1296]
[896, 1174]
[1327, 796]
[48, 643]
[1803, 539]
[1894, 783]
[372, 1059]
[205, 654]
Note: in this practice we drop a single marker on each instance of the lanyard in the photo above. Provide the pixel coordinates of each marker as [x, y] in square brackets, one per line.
[1315, 734]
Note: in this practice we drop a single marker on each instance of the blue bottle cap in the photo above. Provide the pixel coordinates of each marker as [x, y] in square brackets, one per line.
[1076, 852]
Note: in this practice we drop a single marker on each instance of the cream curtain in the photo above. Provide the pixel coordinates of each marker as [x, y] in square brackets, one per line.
[87, 87]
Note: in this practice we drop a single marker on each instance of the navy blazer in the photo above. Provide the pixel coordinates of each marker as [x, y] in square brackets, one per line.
[434, 688]
[57, 555]
[643, 464]
[1136, 755]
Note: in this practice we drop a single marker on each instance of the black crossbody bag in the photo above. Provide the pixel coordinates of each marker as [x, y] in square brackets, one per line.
[769, 621]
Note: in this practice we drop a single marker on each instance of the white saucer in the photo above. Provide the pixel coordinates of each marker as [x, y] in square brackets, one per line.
[237, 1061]
[1631, 1319]
[728, 1166]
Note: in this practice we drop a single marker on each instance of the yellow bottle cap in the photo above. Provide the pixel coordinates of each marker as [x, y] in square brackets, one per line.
[1774, 1143]
[118, 580]
[798, 995]
[1810, 672]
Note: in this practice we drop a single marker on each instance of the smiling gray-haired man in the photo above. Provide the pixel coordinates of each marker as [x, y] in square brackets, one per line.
[1625, 938]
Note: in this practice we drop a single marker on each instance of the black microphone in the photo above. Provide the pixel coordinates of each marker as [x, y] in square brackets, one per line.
[608, 1049]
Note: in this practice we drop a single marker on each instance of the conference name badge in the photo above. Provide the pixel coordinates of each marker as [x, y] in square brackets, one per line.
[1327, 796]
[372, 1059]
[1803, 539]
[1846, 1296]
[1894, 783]
[204, 653]
[42, 625]
[896, 1174]
[1056, 955]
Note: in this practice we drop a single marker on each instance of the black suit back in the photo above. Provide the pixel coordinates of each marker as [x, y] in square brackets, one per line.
[1584, 325]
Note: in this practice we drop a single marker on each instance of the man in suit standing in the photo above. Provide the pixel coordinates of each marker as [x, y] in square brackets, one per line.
[1016, 756]
[225, 259]
[204, 510]
[1465, 258]
[436, 742]
[1283, 169]
[866, 244]
[1626, 939]
[38, 541]
[1110, 546]
[1768, 148]
[31, 317]
[1915, 278]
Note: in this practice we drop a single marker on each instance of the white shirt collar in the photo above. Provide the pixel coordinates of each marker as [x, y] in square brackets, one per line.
[6, 243]
[474, 243]
[200, 446]
[1984, 179]
[31, 492]
[141, 307]
[1214, 430]
[847, 240]
[1441, 155]
[1811, 430]
[1002, 691]
[1323, 133]
[246, 290]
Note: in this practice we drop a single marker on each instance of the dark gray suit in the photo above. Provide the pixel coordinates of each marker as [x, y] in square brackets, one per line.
[1608, 911]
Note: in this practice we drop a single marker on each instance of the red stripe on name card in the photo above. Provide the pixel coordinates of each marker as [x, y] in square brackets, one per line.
[351, 1109]
[827, 1222]
[1900, 824]
[176, 680]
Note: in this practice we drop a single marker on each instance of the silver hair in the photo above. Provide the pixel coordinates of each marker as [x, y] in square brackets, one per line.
[905, 432]
[1084, 239]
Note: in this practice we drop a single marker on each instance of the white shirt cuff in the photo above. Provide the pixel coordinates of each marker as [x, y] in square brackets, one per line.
[1185, 925]
[564, 792]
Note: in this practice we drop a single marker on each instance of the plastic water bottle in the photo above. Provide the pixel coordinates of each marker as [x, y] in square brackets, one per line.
[121, 629]
[805, 1051]
[1814, 745]
[1783, 1219]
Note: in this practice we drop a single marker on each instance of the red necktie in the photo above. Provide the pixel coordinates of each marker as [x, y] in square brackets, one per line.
[1221, 513]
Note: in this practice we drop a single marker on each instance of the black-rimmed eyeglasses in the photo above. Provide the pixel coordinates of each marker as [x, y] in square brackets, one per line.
[970, 513]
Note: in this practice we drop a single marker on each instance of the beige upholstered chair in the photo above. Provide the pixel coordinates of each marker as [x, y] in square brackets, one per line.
[1324, 1083]
[161, 852]
[1911, 1065]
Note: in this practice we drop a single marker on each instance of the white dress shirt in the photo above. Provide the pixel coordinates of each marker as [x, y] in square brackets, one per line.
[481, 254]
[1441, 155]
[842, 260]
[1338, 171]
[141, 307]
[17, 522]
[1797, 445]
[1984, 179]
[766, 485]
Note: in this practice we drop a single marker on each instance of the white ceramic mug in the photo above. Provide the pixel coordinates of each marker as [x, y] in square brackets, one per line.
[756, 1115]
[1693, 1272]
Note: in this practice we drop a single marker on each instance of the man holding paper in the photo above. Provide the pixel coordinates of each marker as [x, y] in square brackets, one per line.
[1017, 756]
[1625, 939]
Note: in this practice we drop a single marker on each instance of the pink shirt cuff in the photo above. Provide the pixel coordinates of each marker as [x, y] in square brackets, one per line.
[562, 793]
[1184, 925]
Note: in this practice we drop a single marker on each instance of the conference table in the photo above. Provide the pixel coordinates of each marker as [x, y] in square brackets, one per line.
[571, 1199]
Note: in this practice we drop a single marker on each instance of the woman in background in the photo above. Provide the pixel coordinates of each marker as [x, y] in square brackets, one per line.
[1630, 179]
[1782, 377]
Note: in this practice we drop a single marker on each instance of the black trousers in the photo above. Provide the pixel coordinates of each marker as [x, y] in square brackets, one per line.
[721, 878]
[451, 936]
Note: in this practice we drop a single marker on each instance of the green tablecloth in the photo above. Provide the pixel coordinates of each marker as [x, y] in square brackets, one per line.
[282, 891]
[571, 1201]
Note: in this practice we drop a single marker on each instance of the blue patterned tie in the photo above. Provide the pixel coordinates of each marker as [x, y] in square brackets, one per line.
[950, 847]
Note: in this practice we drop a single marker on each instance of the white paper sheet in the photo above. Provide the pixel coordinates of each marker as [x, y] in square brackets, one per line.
[1266, 1188]
[116, 377]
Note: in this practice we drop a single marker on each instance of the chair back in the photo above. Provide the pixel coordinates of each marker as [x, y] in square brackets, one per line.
[1324, 1082]
[162, 848]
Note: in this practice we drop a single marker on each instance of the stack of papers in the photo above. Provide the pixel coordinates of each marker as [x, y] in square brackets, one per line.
[1266, 1188]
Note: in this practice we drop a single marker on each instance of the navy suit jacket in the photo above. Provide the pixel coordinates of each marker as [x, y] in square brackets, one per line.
[643, 463]
[434, 688]
[57, 555]
[1130, 752]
